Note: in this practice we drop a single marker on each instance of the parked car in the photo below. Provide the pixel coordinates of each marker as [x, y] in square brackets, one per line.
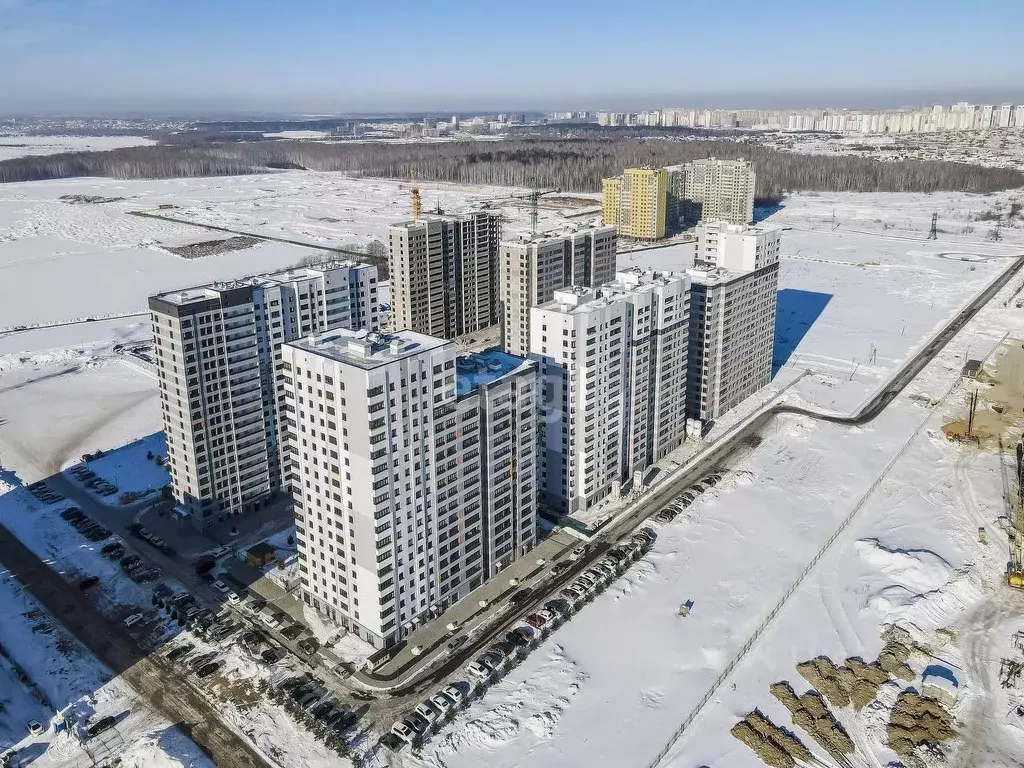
[441, 702]
[518, 637]
[220, 552]
[404, 732]
[539, 619]
[454, 693]
[520, 596]
[478, 670]
[234, 598]
[205, 658]
[272, 655]
[427, 712]
[417, 723]
[208, 669]
[665, 516]
[182, 650]
[71, 513]
[561, 567]
[101, 725]
[221, 587]
[293, 631]
[36, 728]
[579, 552]
[132, 620]
[455, 643]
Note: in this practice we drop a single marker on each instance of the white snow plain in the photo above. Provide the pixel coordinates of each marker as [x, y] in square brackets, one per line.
[12, 146]
[863, 297]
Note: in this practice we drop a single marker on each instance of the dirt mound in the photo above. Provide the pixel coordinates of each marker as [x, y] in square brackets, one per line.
[811, 713]
[856, 682]
[776, 746]
[918, 721]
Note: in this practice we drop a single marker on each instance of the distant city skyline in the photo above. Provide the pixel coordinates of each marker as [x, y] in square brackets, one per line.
[114, 56]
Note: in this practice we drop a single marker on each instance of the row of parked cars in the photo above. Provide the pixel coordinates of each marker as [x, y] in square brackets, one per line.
[533, 626]
[44, 493]
[93, 481]
[84, 525]
[311, 694]
[687, 497]
[148, 536]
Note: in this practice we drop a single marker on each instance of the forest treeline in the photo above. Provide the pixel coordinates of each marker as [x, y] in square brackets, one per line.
[576, 165]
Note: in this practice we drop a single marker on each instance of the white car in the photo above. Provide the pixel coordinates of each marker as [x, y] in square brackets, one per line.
[233, 598]
[478, 670]
[36, 728]
[577, 553]
[427, 712]
[441, 703]
[454, 694]
[404, 732]
[221, 587]
[219, 552]
[134, 619]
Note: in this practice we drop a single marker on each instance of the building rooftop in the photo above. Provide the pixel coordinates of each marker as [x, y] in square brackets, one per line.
[302, 273]
[711, 275]
[368, 349]
[478, 369]
[635, 280]
[189, 295]
[213, 290]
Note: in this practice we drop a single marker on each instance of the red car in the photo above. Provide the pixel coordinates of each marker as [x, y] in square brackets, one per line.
[539, 619]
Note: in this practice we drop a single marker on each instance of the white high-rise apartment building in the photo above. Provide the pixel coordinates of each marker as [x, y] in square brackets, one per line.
[443, 280]
[733, 288]
[613, 362]
[736, 247]
[217, 350]
[531, 269]
[414, 473]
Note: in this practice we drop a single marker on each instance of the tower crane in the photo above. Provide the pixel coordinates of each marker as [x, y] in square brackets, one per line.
[533, 196]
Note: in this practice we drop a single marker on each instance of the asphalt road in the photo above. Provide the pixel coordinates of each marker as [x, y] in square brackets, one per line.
[163, 686]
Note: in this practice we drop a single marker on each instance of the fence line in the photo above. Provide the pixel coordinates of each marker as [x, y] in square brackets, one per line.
[766, 622]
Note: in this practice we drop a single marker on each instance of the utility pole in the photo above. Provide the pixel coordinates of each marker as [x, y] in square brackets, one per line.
[933, 233]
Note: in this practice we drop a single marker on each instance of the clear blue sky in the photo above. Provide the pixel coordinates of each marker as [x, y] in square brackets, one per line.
[363, 55]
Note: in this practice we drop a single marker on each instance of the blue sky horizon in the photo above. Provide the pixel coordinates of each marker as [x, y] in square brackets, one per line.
[324, 57]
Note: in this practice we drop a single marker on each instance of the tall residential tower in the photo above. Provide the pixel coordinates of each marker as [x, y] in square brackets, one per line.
[443, 273]
[636, 203]
[415, 476]
[531, 269]
[217, 350]
[613, 363]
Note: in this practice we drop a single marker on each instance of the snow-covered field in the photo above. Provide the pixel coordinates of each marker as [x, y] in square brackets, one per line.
[65, 261]
[856, 300]
[13, 146]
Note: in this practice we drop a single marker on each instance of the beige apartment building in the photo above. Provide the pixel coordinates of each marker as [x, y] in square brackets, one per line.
[443, 273]
[711, 189]
[531, 269]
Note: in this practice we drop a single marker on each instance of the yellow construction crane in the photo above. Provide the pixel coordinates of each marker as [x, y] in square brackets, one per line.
[417, 202]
